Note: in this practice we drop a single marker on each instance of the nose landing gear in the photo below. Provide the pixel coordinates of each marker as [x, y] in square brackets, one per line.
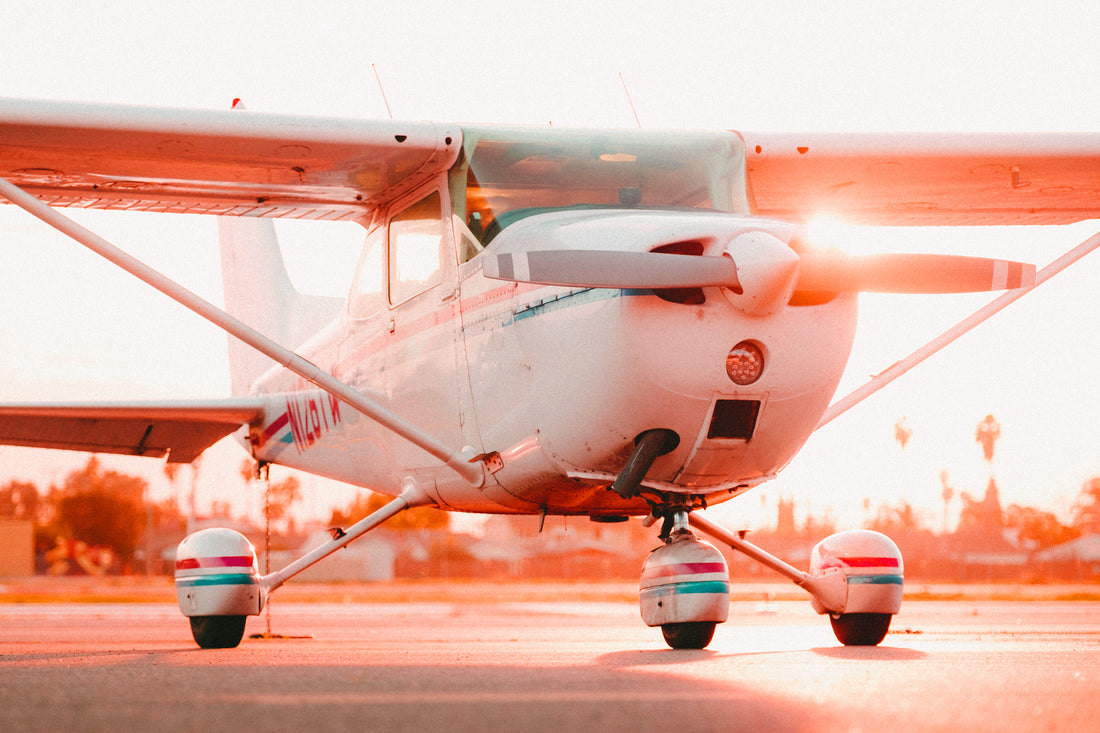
[685, 587]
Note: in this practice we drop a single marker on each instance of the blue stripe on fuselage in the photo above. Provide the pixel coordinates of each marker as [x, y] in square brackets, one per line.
[569, 300]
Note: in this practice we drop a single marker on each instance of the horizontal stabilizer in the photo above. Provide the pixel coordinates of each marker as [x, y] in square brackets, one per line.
[181, 429]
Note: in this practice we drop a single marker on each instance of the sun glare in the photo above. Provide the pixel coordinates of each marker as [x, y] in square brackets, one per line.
[827, 232]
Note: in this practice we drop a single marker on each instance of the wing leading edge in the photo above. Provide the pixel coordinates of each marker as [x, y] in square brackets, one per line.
[181, 430]
[228, 162]
[928, 178]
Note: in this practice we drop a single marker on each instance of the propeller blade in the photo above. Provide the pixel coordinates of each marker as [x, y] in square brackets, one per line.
[824, 272]
[910, 273]
[592, 268]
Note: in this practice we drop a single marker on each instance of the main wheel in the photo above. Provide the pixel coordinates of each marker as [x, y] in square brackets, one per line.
[861, 629]
[689, 634]
[217, 632]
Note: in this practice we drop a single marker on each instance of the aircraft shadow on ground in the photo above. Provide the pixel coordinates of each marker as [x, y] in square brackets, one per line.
[870, 653]
[648, 657]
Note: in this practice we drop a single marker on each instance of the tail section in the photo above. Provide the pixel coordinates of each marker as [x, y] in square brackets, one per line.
[258, 291]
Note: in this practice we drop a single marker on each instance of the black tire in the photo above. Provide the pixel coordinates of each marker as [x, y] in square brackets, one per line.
[217, 632]
[689, 634]
[861, 629]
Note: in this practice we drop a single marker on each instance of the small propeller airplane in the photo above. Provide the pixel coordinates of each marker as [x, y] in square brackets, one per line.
[543, 321]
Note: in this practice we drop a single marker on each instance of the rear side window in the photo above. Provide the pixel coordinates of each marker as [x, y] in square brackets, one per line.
[368, 289]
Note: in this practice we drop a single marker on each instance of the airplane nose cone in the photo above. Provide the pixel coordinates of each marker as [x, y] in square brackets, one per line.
[767, 270]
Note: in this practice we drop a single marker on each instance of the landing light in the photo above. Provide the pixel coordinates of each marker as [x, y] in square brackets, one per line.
[619, 158]
[745, 363]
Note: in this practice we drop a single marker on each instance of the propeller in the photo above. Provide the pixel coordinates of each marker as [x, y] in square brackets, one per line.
[762, 268]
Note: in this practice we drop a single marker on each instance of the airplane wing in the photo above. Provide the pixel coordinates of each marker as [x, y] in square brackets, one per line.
[181, 429]
[229, 162]
[926, 179]
[236, 162]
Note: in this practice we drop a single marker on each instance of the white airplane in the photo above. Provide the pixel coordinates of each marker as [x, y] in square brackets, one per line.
[544, 321]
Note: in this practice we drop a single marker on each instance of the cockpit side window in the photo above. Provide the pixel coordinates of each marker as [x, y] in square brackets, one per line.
[416, 249]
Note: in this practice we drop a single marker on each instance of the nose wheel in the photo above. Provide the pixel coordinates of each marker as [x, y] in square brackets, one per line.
[860, 629]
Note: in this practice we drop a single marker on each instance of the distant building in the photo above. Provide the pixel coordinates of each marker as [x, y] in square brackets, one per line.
[371, 558]
[16, 548]
[1079, 558]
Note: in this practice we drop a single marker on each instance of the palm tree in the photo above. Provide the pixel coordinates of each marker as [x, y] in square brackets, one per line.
[948, 494]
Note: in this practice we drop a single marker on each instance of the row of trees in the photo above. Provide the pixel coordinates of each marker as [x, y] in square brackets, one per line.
[94, 506]
[982, 521]
[99, 507]
[989, 542]
[107, 515]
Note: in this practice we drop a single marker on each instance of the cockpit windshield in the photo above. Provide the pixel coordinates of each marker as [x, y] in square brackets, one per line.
[506, 174]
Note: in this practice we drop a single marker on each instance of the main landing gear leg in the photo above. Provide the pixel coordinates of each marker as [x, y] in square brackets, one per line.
[855, 577]
[412, 495]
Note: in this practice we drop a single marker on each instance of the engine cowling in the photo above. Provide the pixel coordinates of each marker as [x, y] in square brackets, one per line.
[216, 575]
[684, 581]
[872, 568]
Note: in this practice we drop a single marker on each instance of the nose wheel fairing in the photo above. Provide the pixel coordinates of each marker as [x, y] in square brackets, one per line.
[685, 581]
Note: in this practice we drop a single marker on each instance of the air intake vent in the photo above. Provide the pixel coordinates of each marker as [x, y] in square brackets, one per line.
[734, 419]
[683, 296]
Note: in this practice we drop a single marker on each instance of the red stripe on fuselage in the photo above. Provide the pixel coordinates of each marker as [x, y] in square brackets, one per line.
[276, 425]
[269, 432]
[428, 321]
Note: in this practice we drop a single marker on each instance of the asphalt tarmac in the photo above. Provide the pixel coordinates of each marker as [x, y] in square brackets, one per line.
[560, 665]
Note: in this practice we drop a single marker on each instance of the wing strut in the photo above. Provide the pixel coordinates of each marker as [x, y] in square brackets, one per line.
[460, 461]
[412, 495]
[898, 368]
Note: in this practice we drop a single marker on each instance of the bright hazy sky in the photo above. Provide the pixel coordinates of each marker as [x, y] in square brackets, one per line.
[73, 327]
